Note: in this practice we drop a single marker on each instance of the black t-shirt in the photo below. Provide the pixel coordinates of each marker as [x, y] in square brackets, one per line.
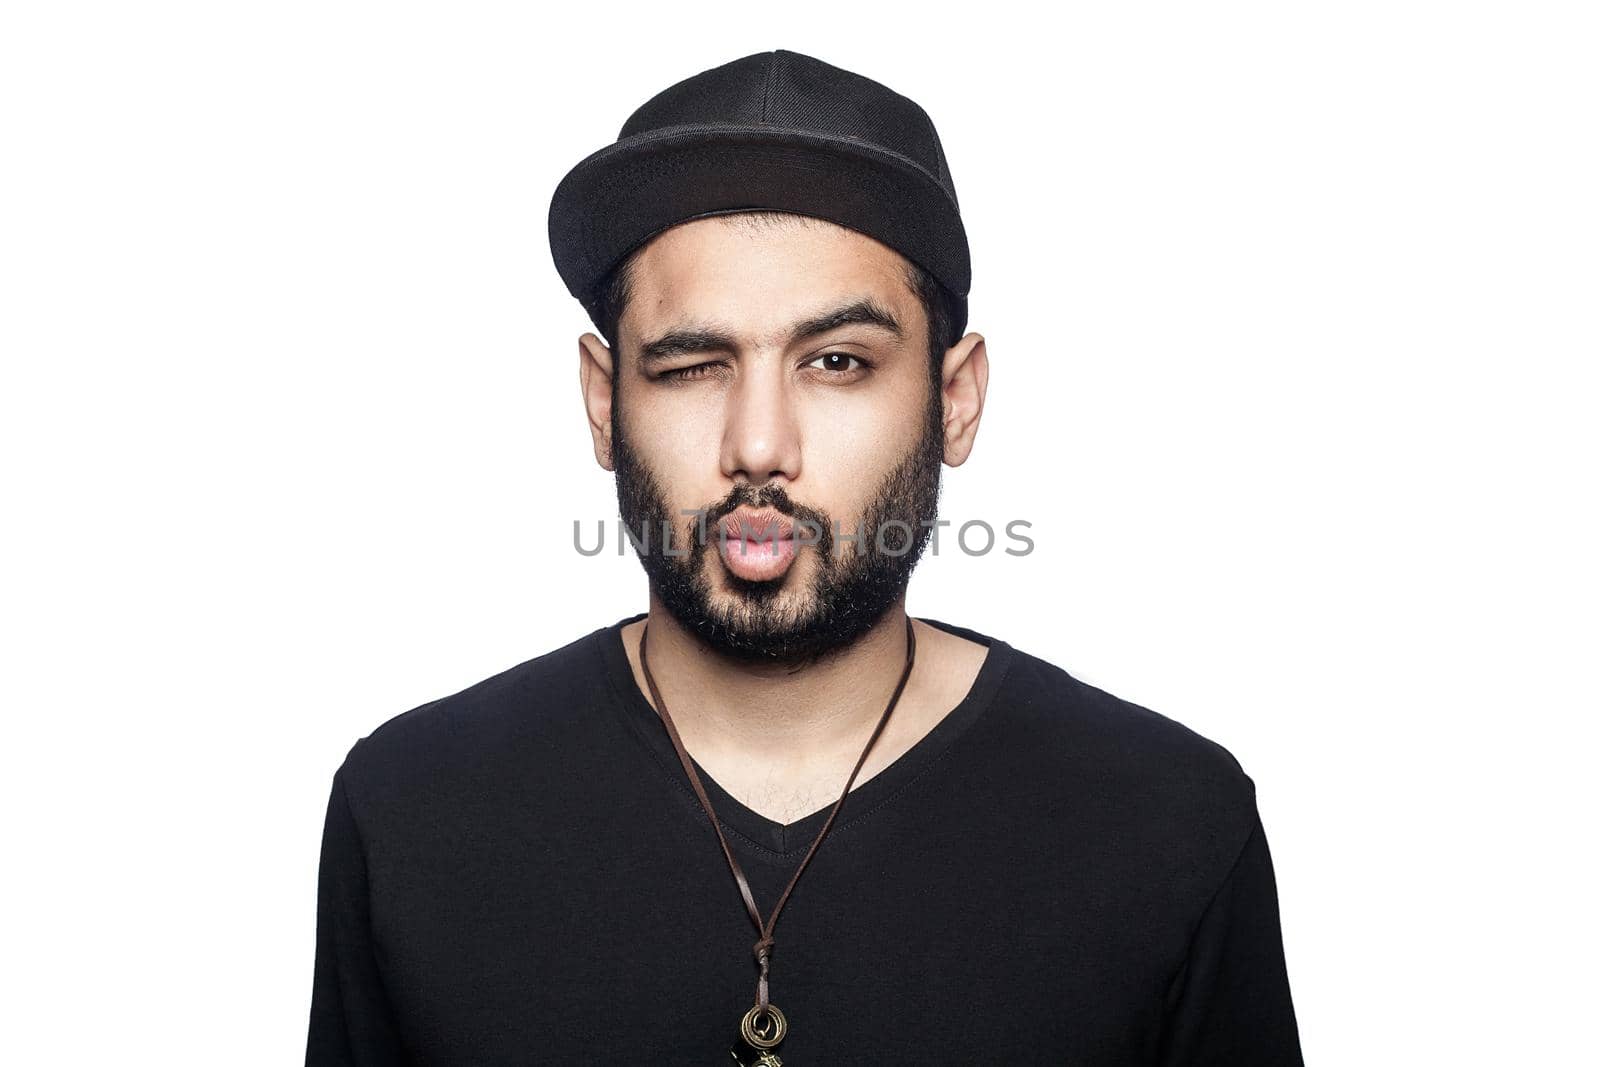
[521, 874]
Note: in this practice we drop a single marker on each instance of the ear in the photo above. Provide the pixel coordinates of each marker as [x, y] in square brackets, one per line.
[596, 365]
[965, 377]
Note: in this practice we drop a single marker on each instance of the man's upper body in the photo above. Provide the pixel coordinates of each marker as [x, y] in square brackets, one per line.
[520, 873]
[1026, 867]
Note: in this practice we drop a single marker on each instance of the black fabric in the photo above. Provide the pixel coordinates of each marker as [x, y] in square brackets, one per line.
[777, 130]
[520, 873]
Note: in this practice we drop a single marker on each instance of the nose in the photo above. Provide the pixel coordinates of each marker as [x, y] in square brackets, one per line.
[761, 437]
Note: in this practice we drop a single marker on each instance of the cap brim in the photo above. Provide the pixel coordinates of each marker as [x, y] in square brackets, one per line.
[619, 197]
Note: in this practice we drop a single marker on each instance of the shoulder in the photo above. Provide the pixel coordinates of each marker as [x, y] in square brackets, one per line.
[1140, 775]
[450, 739]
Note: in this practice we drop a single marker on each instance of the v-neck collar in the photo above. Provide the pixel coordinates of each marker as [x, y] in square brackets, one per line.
[772, 838]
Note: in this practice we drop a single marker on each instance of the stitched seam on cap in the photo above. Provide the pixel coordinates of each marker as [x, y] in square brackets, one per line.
[766, 95]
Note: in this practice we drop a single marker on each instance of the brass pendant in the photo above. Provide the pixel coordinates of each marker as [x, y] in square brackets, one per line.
[759, 1033]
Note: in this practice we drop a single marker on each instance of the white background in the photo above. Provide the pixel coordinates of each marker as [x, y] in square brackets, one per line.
[1291, 311]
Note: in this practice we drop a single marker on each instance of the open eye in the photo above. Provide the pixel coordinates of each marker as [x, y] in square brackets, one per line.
[838, 362]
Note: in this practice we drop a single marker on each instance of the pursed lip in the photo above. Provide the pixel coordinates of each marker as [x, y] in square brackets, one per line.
[747, 525]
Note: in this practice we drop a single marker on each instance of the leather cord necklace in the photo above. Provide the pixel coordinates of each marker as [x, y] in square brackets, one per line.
[764, 1026]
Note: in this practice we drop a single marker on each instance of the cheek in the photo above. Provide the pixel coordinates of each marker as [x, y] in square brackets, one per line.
[845, 462]
[661, 415]
[682, 446]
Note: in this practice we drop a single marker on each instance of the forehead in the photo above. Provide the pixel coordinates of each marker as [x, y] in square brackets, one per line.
[758, 275]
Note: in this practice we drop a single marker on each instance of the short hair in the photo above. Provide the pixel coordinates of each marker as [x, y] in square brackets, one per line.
[941, 307]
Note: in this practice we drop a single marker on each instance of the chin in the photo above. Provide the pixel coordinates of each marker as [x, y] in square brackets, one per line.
[789, 597]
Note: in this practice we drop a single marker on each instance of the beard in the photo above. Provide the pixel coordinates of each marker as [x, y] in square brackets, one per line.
[847, 591]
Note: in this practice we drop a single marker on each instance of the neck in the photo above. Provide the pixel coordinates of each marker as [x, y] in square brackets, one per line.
[787, 716]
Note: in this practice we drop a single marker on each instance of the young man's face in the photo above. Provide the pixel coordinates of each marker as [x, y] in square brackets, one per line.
[728, 404]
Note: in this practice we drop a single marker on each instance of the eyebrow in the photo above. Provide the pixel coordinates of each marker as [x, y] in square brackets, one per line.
[686, 340]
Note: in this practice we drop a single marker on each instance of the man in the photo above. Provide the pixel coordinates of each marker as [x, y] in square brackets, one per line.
[583, 859]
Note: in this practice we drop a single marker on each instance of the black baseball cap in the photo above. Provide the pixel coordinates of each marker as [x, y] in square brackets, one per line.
[771, 131]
